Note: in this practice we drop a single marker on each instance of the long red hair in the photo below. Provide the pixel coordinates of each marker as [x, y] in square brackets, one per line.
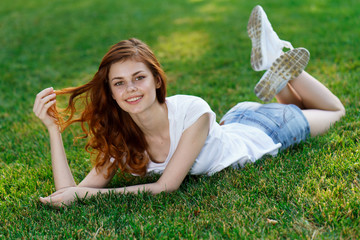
[111, 131]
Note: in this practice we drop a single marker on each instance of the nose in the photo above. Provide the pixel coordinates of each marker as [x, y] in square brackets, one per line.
[131, 87]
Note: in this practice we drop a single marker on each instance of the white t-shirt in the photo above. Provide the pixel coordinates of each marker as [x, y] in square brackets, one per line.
[233, 144]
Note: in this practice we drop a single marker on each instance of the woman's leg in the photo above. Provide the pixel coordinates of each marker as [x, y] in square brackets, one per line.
[319, 105]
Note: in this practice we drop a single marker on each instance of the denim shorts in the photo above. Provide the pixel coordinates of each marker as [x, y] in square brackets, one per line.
[285, 124]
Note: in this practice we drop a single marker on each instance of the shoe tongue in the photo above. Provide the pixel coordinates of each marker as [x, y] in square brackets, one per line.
[273, 51]
[274, 46]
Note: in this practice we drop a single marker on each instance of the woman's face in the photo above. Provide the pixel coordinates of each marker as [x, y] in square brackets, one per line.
[133, 86]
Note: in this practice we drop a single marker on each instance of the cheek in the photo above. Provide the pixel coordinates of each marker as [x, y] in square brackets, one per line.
[115, 93]
[118, 102]
[116, 96]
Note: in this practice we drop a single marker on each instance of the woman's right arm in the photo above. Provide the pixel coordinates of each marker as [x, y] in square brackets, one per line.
[61, 171]
[63, 177]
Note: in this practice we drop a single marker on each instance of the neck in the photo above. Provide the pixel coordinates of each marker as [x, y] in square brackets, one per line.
[153, 121]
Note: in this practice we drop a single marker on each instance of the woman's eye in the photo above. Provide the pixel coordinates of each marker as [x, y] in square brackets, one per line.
[119, 83]
[139, 78]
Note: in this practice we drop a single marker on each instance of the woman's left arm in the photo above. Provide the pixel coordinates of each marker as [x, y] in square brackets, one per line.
[189, 147]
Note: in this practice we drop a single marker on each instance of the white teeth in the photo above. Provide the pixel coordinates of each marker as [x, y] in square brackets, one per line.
[133, 99]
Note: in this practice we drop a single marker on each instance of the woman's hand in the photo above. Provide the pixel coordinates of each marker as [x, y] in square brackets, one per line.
[43, 101]
[65, 196]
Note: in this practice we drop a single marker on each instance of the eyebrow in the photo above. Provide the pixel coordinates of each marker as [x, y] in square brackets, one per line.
[135, 73]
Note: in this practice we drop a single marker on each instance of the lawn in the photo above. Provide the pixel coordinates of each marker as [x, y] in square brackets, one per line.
[311, 191]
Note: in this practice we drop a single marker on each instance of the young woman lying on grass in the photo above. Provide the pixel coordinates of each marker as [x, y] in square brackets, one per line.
[133, 126]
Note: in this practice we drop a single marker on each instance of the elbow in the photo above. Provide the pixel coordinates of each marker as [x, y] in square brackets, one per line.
[171, 189]
[166, 187]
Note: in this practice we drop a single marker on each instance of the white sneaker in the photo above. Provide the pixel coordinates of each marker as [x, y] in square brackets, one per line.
[288, 66]
[266, 45]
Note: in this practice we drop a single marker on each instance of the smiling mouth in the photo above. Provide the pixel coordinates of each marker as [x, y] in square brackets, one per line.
[134, 99]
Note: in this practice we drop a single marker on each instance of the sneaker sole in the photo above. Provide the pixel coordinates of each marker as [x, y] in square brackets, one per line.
[286, 67]
[254, 29]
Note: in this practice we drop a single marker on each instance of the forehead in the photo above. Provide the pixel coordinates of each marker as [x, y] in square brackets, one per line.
[127, 68]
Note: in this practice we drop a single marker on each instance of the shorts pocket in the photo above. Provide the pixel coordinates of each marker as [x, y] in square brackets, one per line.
[279, 114]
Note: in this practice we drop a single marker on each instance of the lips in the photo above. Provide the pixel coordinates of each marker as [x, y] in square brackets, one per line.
[134, 99]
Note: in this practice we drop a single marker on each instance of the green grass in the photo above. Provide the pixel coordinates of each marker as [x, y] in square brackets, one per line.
[312, 190]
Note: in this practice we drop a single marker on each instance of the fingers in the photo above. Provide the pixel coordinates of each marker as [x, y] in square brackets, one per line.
[58, 192]
[56, 201]
[42, 99]
[53, 204]
[41, 94]
[60, 198]
[44, 200]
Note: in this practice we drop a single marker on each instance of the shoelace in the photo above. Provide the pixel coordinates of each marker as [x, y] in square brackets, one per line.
[287, 44]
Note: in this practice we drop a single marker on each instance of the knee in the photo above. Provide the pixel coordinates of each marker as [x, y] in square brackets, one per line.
[341, 111]
[338, 109]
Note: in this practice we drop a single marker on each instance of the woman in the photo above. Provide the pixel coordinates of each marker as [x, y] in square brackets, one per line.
[134, 127]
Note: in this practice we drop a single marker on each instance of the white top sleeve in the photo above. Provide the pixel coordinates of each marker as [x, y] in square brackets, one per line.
[193, 110]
